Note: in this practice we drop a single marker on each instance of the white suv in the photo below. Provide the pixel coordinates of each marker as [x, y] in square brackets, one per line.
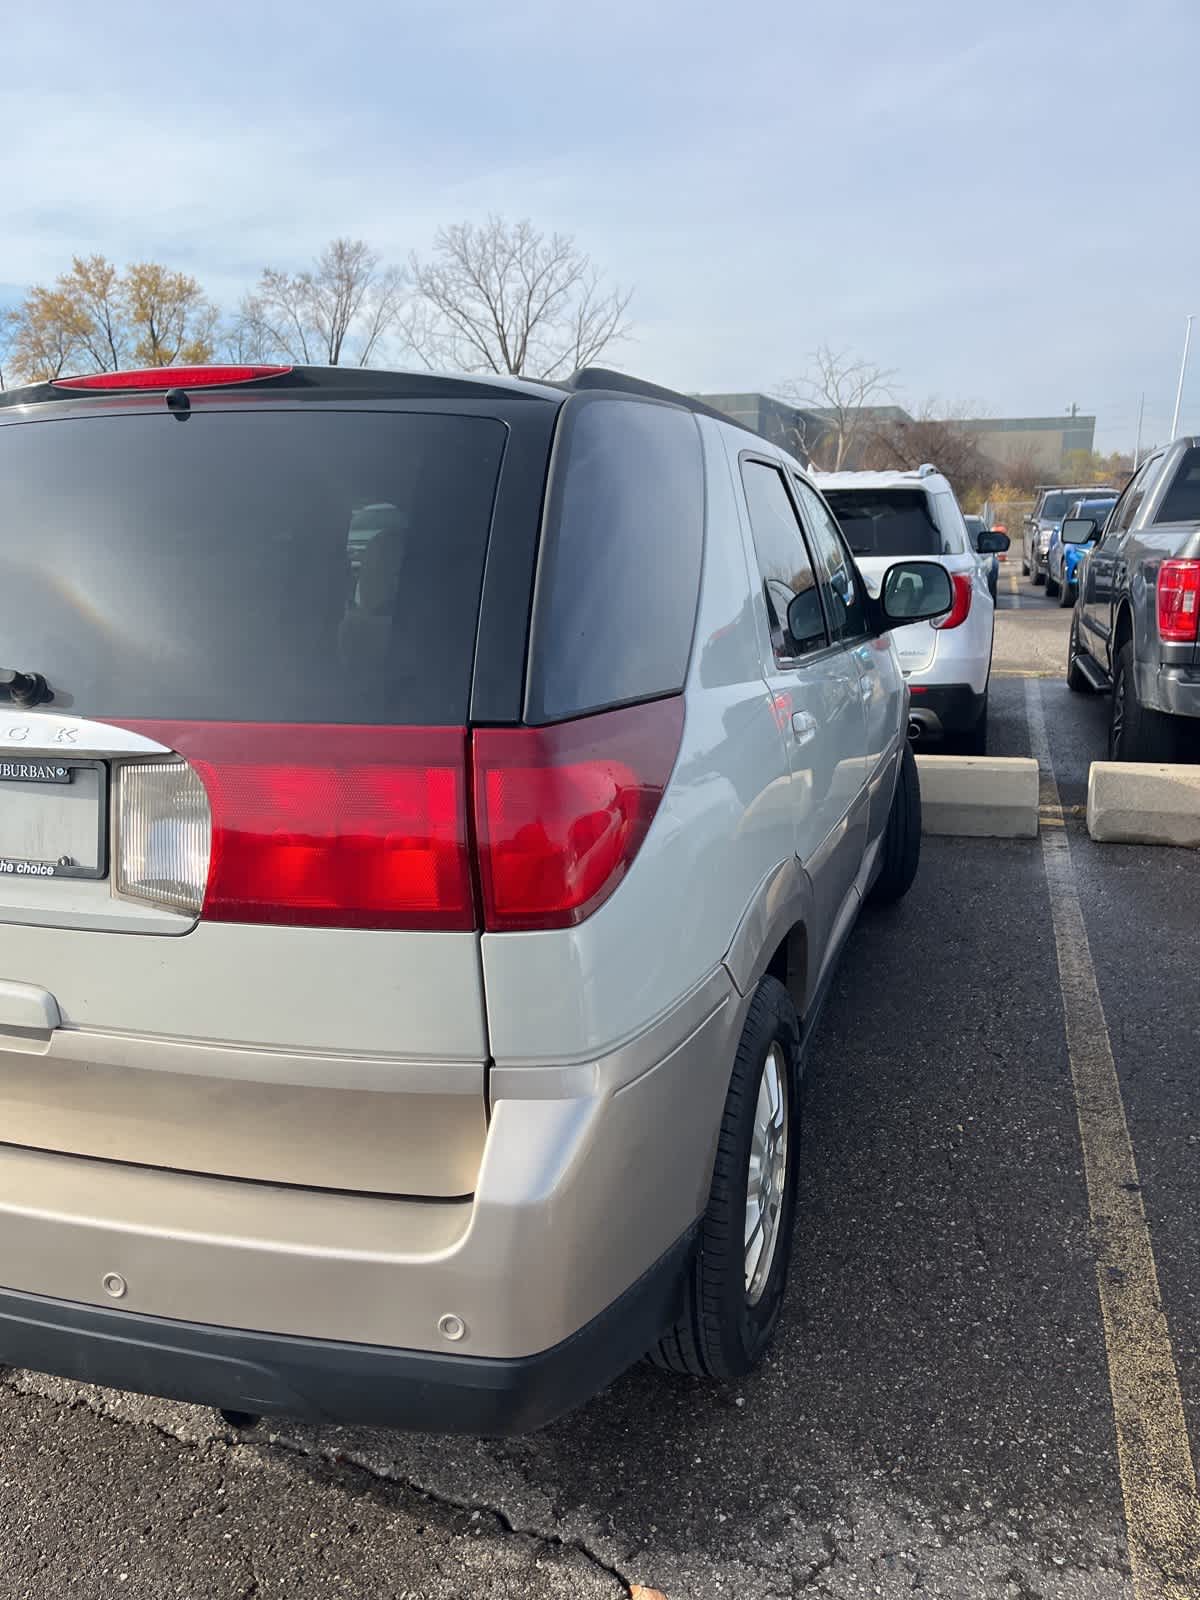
[430, 813]
[887, 516]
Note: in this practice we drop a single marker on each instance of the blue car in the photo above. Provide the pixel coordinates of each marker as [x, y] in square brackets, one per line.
[1062, 560]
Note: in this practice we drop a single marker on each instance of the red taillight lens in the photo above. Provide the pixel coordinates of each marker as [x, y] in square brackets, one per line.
[961, 609]
[1178, 601]
[171, 378]
[342, 827]
[561, 812]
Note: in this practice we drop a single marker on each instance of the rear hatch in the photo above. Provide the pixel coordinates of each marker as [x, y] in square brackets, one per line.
[237, 921]
[887, 525]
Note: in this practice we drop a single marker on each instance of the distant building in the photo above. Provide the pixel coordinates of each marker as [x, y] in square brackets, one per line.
[1041, 442]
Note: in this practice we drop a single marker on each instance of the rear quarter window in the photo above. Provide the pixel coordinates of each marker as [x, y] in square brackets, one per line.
[619, 571]
[1181, 503]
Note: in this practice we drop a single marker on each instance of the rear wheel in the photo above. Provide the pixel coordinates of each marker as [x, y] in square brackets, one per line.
[1025, 565]
[1051, 585]
[900, 853]
[735, 1289]
[1067, 596]
[1136, 733]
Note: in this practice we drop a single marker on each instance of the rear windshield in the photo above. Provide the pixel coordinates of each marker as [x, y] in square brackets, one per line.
[288, 566]
[888, 522]
[1055, 507]
[1181, 503]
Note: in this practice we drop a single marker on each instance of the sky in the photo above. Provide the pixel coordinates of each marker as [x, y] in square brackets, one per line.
[998, 202]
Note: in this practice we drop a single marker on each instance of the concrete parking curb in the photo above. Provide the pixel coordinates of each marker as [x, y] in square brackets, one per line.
[1136, 802]
[984, 797]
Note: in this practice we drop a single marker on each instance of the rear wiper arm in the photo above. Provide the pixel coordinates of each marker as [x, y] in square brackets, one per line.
[24, 688]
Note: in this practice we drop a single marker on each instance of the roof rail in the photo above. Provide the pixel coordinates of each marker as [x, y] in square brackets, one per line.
[622, 383]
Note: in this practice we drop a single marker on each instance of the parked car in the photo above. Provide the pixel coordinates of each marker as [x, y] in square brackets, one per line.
[989, 559]
[886, 515]
[1135, 625]
[1049, 509]
[405, 975]
[1062, 560]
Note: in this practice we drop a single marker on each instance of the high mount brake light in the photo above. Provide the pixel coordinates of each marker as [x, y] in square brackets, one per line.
[154, 378]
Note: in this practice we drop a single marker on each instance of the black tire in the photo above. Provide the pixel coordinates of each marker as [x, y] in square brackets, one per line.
[721, 1332]
[1052, 585]
[1066, 596]
[1134, 732]
[1039, 578]
[900, 853]
[1024, 566]
[1077, 682]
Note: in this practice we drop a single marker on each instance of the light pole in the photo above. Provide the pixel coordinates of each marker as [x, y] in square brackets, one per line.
[1187, 339]
[1137, 449]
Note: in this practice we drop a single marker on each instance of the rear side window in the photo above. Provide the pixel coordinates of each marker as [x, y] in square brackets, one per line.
[619, 573]
[889, 522]
[1181, 503]
[275, 566]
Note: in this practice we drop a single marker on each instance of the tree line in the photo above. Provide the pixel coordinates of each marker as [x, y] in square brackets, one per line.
[493, 297]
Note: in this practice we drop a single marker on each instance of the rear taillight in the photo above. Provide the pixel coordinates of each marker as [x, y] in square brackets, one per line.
[1178, 601]
[164, 833]
[961, 609]
[346, 827]
[561, 812]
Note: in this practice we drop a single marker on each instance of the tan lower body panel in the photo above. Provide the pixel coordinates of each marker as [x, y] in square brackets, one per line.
[588, 1175]
[324, 1121]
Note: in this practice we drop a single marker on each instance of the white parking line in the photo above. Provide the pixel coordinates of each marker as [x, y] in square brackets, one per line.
[1158, 1478]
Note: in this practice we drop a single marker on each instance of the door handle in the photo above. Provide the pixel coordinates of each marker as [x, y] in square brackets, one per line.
[804, 726]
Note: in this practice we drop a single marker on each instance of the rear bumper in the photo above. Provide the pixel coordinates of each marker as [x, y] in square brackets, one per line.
[945, 708]
[344, 1296]
[1174, 690]
[332, 1381]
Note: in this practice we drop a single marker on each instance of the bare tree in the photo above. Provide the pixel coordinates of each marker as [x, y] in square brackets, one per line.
[839, 386]
[907, 443]
[502, 297]
[8, 332]
[337, 312]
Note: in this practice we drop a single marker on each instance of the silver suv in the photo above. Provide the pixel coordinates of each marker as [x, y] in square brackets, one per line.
[430, 811]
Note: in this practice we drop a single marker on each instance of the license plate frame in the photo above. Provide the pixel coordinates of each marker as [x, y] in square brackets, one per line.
[32, 868]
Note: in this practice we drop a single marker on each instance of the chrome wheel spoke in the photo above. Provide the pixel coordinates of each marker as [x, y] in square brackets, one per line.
[766, 1177]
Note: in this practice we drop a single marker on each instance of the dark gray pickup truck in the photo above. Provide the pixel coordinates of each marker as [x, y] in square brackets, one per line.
[1137, 614]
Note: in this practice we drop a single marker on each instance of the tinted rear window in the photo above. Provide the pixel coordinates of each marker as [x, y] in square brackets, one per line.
[619, 574]
[888, 522]
[287, 566]
[1181, 503]
[1055, 507]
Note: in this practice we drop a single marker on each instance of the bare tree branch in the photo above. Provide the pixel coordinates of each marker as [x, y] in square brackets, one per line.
[340, 310]
[501, 297]
[838, 385]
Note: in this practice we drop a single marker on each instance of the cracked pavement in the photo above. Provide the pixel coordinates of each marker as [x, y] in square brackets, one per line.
[935, 1417]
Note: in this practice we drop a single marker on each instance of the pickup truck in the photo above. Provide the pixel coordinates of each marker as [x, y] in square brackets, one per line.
[1135, 627]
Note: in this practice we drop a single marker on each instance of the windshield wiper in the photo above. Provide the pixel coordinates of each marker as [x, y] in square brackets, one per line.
[24, 688]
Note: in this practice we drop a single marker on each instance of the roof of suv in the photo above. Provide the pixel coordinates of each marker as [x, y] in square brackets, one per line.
[921, 478]
[377, 383]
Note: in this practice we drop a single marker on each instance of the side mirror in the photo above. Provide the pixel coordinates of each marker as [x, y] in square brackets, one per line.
[993, 543]
[1078, 530]
[914, 591]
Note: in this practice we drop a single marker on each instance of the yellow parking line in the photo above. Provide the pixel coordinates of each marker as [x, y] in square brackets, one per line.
[1014, 588]
[1158, 1479]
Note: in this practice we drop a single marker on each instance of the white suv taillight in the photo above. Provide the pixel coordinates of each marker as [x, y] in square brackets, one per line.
[164, 834]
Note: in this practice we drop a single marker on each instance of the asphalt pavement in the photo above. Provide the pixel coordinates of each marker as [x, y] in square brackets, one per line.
[936, 1417]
